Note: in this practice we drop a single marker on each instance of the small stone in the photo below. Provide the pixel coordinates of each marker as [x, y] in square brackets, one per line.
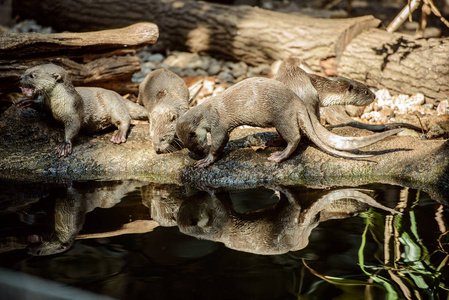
[176, 70]
[442, 108]
[439, 126]
[201, 72]
[225, 76]
[147, 67]
[188, 72]
[237, 69]
[156, 58]
[214, 68]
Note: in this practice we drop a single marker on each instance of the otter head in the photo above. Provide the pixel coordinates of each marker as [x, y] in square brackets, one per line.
[162, 130]
[204, 216]
[346, 91]
[41, 80]
[192, 132]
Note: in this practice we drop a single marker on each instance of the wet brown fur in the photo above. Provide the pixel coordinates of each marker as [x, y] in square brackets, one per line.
[260, 102]
[316, 91]
[327, 91]
[166, 97]
[87, 108]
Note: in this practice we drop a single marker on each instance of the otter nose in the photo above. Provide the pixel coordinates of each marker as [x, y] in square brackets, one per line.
[158, 150]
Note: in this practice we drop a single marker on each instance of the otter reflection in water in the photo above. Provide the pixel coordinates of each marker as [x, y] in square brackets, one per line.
[60, 215]
[285, 227]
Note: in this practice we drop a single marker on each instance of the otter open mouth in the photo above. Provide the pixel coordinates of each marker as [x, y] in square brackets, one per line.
[28, 90]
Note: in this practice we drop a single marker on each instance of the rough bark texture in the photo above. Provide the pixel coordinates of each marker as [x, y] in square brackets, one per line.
[399, 63]
[384, 60]
[244, 33]
[27, 141]
[104, 58]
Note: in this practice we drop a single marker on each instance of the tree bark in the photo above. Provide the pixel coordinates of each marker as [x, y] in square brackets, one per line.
[103, 58]
[249, 34]
[253, 35]
[400, 63]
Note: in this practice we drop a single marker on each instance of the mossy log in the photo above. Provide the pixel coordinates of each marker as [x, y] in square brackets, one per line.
[27, 141]
[101, 58]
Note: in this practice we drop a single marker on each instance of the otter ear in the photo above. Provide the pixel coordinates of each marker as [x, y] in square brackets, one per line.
[173, 117]
[57, 77]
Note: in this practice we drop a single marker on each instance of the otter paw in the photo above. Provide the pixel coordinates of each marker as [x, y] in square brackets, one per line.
[207, 161]
[118, 138]
[276, 156]
[64, 149]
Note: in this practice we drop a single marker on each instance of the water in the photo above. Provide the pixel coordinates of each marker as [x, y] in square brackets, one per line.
[138, 240]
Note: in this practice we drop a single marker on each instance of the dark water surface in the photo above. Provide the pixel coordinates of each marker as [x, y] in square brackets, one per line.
[136, 240]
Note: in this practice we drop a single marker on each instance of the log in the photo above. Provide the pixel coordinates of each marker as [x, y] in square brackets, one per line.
[249, 34]
[400, 63]
[26, 153]
[103, 58]
[254, 35]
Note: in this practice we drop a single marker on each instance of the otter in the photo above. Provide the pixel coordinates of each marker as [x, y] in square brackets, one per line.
[331, 91]
[88, 108]
[326, 91]
[260, 102]
[166, 97]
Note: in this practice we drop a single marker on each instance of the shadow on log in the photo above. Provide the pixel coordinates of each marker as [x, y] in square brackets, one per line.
[27, 143]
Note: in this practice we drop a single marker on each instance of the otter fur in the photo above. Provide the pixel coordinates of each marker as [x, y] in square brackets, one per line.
[166, 97]
[260, 102]
[87, 108]
[316, 91]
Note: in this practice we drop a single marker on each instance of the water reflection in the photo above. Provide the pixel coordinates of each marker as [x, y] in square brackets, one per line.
[277, 230]
[376, 239]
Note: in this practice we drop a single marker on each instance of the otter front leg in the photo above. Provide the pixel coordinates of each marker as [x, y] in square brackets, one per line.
[219, 141]
[71, 131]
[120, 136]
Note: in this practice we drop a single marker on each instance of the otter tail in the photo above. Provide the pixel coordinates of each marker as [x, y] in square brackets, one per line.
[304, 119]
[348, 143]
[337, 117]
[136, 111]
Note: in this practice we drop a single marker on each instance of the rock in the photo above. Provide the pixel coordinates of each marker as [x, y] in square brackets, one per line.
[225, 76]
[214, 68]
[156, 58]
[237, 69]
[439, 127]
[443, 108]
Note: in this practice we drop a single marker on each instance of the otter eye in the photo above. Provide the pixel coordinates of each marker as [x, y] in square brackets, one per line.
[162, 139]
[32, 75]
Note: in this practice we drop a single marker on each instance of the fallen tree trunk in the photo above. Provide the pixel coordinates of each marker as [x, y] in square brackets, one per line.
[400, 63]
[255, 35]
[103, 58]
[244, 33]
[26, 153]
